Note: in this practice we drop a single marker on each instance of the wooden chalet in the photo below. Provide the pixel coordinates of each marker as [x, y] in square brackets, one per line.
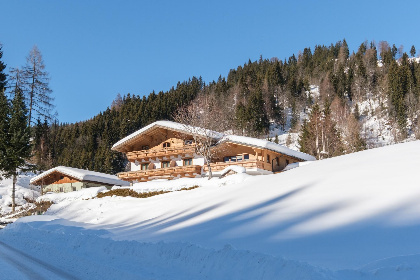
[166, 150]
[67, 179]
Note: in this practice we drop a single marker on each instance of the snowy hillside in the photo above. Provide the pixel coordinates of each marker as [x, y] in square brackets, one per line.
[375, 125]
[349, 217]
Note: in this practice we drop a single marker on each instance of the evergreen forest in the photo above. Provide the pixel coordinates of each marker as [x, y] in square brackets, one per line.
[256, 97]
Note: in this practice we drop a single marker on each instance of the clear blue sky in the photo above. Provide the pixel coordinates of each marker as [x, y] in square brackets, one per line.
[96, 49]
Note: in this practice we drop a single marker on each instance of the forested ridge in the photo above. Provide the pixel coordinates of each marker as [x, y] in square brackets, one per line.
[256, 96]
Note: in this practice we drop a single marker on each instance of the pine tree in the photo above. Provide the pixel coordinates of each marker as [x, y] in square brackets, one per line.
[38, 93]
[18, 147]
[4, 128]
[3, 76]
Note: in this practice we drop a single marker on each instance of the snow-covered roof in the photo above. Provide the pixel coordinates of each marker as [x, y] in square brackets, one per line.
[83, 175]
[221, 137]
[260, 143]
[167, 125]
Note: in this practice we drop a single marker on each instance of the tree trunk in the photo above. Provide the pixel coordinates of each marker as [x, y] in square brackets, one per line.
[210, 173]
[14, 192]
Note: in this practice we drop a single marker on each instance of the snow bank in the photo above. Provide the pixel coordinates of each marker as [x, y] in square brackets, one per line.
[182, 183]
[85, 255]
[72, 196]
[235, 168]
[23, 190]
[296, 164]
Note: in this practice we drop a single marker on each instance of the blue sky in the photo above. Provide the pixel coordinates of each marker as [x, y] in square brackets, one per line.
[96, 49]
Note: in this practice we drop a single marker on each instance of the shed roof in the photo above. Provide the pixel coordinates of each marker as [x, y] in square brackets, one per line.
[82, 175]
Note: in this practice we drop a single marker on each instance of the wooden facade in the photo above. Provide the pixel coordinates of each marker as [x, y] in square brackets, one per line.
[60, 182]
[162, 153]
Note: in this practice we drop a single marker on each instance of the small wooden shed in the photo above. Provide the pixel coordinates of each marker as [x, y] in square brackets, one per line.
[67, 179]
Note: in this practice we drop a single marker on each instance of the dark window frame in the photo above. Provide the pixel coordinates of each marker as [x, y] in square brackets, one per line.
[146, 165]
[188, 160]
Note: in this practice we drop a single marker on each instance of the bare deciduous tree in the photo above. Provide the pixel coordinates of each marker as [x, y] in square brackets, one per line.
[38, 93]
[202, 119]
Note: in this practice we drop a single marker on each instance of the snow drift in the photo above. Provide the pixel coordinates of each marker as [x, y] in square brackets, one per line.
[357, 216]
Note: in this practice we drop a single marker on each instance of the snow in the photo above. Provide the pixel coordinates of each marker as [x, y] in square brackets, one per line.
[23, 190]
[72, 196]
[296, 164]
[351, 217]
[266, 145]
[83, 175]
[235, 168]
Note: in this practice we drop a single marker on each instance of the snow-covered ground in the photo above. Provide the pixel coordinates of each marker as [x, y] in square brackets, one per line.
[23, 193]
[351, 217]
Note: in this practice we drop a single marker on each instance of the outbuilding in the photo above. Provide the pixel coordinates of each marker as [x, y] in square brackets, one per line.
[67, 179]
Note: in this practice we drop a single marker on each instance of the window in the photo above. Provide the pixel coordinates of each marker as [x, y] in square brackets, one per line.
[166, 145]
[165, 164]
[73, 188]
[277, 161]
[188, 142]
[187, 161]
[145, 147]
[144, 166]
[236, 158]
[287, 161]
[268, 158]
[61, 177]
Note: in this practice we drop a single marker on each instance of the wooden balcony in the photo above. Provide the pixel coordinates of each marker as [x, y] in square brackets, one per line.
[219, 166]
[161, 173]
[160, 153]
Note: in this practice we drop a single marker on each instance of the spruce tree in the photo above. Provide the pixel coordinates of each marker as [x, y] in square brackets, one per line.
[412, 51]
[3, 77]
[4, 128]
[17, 141]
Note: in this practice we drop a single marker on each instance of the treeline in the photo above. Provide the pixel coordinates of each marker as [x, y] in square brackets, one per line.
[88, 144]
[269, 91]
[254, 96]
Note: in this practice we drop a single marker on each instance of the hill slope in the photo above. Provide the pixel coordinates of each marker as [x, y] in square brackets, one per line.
[337, 213]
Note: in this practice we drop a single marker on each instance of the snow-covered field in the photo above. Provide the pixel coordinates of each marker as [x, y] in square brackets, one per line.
[351, 217]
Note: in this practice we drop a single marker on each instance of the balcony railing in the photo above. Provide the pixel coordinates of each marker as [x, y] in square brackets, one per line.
[160, 153]
[168, 173]
[219, 166]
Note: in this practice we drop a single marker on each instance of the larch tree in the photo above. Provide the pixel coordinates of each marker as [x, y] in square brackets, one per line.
[37, 91]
